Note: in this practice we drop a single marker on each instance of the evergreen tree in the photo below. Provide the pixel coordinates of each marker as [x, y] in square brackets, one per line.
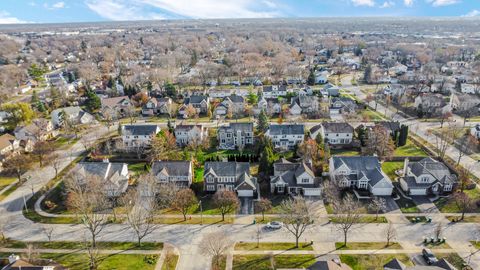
[267, 157]
[403, 136]
[40, 106]
[170, 90]
[367, 75]
[93, 101]
[311, 77]
[262, 121]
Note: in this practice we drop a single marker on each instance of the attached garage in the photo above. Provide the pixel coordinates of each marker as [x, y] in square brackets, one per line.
[245, 193]
[417, 192]
[311, 192]
[382, 188]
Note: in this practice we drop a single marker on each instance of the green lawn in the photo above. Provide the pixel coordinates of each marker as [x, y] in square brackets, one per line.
[366, 219]
[372, 261]
[407, 206]
[367, 245]
[452, 258]
[196, 219]
[5, 181]
[198, 175]
[344, 152]
[372, 115]
[137, 168]
[409, 150]
[75, 261]
[389, 168]
[264, 262]
[9, 191]
[448, 205]
[81, 245]
[272, 246]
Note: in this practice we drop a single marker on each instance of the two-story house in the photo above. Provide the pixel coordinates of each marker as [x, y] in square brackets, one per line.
[178, 172]
[233, 176]
[427, 176]
[157, 106]
[294, 179]
[188, 134]
[71, 115]
[336, 134]
[362, 173]
[235, 136]
[201, 103]
[464, 103]
[475, 131]
[430, 103]
[339, 105]
[39, 130]
[8, 144]
[304, 104]
[134, 136]
[271, 106]
[114, 175]
[233, 104]
[286, 136]
[274, 91]
[116, 105]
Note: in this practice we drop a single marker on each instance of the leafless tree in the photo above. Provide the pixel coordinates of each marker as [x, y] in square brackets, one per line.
[93, 254]
[463, 202]
[445, 137]
[390, 233]
[262, 206]
[346, 215]
[215, 245]
[48, 231]
[226, 201]
[378, 204]
[18, 164]
[140, 214]
[438, 230]
[56, 163]
[87, 198]
[379, 142]
[31, 253]
[297, 215]
[41, 149]
[184, 201]
[466, 145]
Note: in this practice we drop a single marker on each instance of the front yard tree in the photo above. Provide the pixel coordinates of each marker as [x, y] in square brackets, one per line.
[184, 201]
[19, 112]
[140, 214]
[463, 202]
[378, 204]
[267, 157]
[42, 149]
[18, 165]
[215, 245]
[297, 215]
[227, 201]
[390, 233]
[379, 142]
[465, 145]
[347, 214]
[262, 206]
[87, 199]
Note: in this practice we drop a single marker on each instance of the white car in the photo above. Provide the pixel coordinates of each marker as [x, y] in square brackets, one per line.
[274, 225]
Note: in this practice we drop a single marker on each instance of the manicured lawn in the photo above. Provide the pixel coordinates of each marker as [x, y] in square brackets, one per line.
[344, 152]
[372, 261]
[276, 201]
[372, 115]
[366, 219]
[208, 208]
[194, 220]
[170, 262]
[452, 258]
[198, 175]
[389, 168]
[137, 168]
[448, 205]
[367, 245]
[35, 217]
[409, 150]
[5, 181]
[75, 261]
[81, 245]
[272, 246]
[407, 206]
[264, 262]
[9, 191]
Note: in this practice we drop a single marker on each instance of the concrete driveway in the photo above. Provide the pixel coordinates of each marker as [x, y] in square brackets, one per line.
[246, 206]
[425, 205]
[391, 206]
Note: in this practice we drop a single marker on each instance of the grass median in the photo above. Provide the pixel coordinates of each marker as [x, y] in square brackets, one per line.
[272, 246]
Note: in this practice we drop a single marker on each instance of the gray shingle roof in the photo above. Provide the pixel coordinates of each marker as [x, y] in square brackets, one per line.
[195, 99]
[287, 129]
[394, 264]
[432, 167]
[269, 88]
[364, 166]
[228, 168]
[139, 130]
[173, 168]
[245, 127]
[337, 127]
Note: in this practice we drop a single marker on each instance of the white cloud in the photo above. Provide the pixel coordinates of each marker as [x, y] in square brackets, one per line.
[6, 18]
[473, 13]
[146, 9]
[387, 4]
[441, 3]
[59, 5]
[369, 3]
[408, 3]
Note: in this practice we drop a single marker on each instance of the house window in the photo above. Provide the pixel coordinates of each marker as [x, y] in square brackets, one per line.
[305, 180]
[280, 189]
[424, 179]
[209, 180]
[220, 186]
[447, 188]
[210, 187]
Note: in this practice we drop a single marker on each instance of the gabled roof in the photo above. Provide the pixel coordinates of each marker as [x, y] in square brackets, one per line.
[337, 127]
[329, 265]
[235, 99]
[172, 168]
[187, 127]
[195, 99]
[287, 129]
[245, 127]
[112, 102]
[434, 168]
[392, 126]
[139, 130]
[6, 140]
[357, 163]
[228, 169]
[394, 264]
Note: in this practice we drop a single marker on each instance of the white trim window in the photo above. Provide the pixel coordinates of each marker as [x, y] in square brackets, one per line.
[210, 187]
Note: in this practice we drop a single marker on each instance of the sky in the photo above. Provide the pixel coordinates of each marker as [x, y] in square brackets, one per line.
[57, 11]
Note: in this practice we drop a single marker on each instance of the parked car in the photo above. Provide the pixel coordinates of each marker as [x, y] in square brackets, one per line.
[274, 225]
[429, 256]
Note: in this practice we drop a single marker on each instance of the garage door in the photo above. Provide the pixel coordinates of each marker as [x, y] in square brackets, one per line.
[382, 191]
[245, 193]
[417, 192]
[311, 192]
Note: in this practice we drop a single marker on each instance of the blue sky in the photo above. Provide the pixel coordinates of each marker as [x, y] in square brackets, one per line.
[52, 11]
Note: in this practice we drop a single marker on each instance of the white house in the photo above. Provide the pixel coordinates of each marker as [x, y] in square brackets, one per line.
[134, 136]
[73, 115]
[115, 176]
[427, 176]
[233, 176]
[336, 133]
[274, 91]
[294, 179]
[235, 135]
[188, 134]
[363, 173]
[468, 88]
[286, 136]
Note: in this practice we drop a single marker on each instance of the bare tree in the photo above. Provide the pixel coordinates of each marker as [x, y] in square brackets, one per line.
[390, 233]
[93, 255]
[56, 163]
[18, 164]
[438, 230]
[463, 202]
[87, 198]
[215, 245]
[42, 149]
[465, 146]
[379, 142]
[184, 201]
[378, 204]
[227, 201]
[140, 214]
[31, 253]
[297, 215]
[347, 214]
[48, 231]
[445, 137]
[263, 205]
